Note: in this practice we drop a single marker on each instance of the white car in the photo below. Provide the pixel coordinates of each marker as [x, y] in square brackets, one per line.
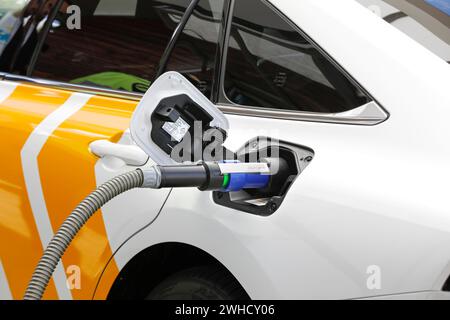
[361, 87]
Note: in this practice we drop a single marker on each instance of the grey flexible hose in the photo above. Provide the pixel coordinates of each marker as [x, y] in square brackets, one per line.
[76, 220]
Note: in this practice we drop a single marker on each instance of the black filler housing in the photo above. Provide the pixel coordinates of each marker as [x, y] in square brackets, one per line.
[182, 106]
[291, 159]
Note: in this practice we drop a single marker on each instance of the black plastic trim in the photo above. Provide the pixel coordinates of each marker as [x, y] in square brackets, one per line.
[175, 36]
[266, 202]
[446, 286]
[42, 38]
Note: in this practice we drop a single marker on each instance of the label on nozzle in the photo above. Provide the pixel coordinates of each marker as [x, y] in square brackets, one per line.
[177, 130]
[241, 167]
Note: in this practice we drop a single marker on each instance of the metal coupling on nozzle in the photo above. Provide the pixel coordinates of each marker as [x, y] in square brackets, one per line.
[152, 178]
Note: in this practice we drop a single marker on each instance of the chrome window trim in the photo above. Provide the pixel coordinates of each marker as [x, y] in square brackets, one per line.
[370, 114]
[367, 115]
[75, 87]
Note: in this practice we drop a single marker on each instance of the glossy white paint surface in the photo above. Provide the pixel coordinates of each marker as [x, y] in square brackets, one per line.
[373, 196]
[131, 211]
[424, 295]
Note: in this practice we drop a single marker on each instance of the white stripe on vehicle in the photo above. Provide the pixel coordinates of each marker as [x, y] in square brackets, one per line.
[29, 158]
[6, 89]
[5, 291]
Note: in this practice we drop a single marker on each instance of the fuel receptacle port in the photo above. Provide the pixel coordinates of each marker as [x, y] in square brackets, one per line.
[286, 161]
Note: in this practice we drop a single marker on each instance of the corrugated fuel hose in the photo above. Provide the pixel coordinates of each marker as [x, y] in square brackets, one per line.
[205, 176]
[73, 224]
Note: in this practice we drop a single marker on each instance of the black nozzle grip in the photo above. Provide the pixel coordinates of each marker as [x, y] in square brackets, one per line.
[205, 176]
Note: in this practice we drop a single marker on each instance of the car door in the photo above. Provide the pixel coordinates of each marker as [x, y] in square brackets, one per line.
[77, 86]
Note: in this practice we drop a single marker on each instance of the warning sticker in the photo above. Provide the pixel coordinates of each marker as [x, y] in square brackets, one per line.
[177, 130]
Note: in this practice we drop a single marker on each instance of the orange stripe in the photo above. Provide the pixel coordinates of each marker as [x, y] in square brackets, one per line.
[106, 281]
[20, 245]
[67, 175]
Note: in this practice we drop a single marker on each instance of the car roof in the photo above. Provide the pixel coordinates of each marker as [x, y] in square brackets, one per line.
[432, 17]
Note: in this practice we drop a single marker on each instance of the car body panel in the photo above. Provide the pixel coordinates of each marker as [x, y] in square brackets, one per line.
[358, 204]
[330, 229]
[373, 195]
[21, 110]
[66, 171]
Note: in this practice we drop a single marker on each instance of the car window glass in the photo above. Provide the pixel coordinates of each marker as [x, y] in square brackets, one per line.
[118, 45]
[271, 65]
[195, 53]
[425, 21]
[21, 24]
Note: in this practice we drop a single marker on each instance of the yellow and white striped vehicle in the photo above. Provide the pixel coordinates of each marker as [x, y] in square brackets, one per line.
[369, 95]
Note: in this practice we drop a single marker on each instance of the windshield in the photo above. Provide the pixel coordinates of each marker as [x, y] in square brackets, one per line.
[426, 21]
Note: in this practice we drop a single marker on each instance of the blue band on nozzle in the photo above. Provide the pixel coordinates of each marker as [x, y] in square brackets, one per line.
[241, 181]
